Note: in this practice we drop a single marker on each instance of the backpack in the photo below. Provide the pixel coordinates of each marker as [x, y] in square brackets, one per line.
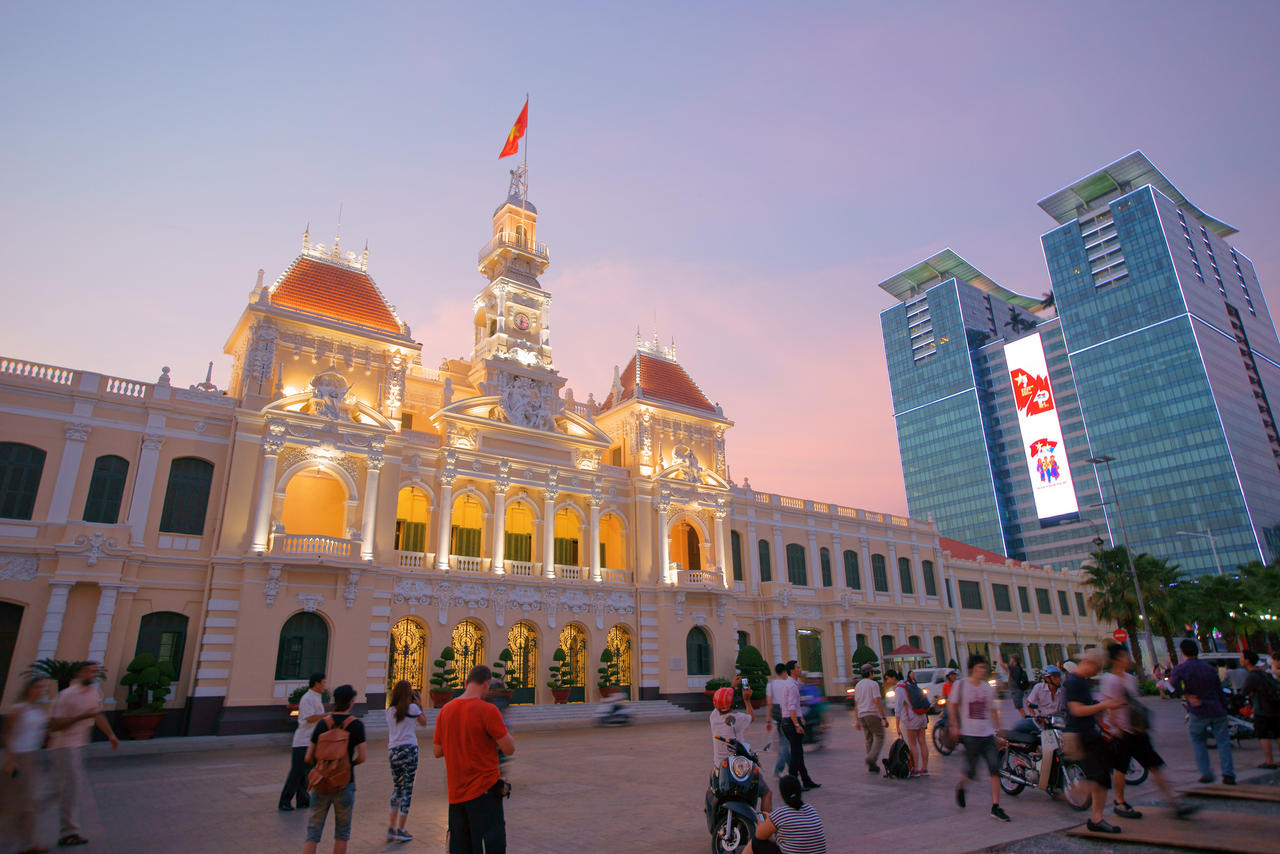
[919, 702]
[898, 765]
[1021, 681]
[332, 772]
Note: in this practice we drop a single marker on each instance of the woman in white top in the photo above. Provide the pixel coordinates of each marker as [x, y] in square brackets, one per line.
[404, 713]
[25, 728]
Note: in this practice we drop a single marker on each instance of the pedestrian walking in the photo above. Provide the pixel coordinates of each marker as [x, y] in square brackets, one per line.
[25, 728]
[1128, 724]
[909, 722]
[1085, 743]
[773, 692]
[310, 711]
[869, 717]
[1263, 691]
[469, 734]
[1201, 690]
[403, 715]
[76, 711]
[1018, 683]
[333, 780]
[975, 717]
[793, 828]
[793, 724]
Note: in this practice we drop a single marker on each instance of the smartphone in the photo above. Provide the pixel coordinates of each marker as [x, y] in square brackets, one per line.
[745, 683]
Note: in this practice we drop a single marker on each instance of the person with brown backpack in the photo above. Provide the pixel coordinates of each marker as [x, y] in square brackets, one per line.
[337, 746]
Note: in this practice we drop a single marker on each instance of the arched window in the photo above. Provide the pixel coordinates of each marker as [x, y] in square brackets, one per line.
[573, 670]
[106, 488]
[413, 515]
[466, 527]
[467, 641]
[930, 581]
[735, 545]
[852, 578]
[612, 534]
[824, 555]
[186, 498]
[939, 651]
[744, 639]
[698, 652]
[914, 640]
[879, 575]
[862, 641]
[164, 635]
[10, 623]
[766, 570]
[886, 644]
[568, 535]
[518, 533]
[522, 640]
[797, 573]
[904, 575]
[619, 643]
[20, 469]
[304, 647]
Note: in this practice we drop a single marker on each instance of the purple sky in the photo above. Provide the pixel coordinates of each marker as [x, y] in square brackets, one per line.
[738, 174]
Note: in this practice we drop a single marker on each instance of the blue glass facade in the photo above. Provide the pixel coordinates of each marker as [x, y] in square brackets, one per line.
[1161, 354]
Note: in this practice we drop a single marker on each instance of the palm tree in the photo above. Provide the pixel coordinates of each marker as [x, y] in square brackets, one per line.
[1165, 606]
[1113, 599]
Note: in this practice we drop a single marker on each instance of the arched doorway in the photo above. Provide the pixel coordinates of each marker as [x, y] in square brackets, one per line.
[467, 641]
[619, 643]
[315, 502]
[686, 546]
[809, 648]
[573, 672]
[612, 542]
[407, 654]
[413, 520]
[522, 640]
[10, 622]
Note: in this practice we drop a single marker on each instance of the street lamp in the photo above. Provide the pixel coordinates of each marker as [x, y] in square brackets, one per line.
[1133, 573]
[1207, 534]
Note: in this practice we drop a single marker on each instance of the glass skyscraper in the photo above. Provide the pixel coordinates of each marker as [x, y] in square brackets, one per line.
[1156, 349]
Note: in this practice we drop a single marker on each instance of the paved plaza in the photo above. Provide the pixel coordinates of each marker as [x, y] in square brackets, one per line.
[635, 789]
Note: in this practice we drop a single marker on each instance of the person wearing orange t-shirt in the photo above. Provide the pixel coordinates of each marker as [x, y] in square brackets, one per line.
[469, 734]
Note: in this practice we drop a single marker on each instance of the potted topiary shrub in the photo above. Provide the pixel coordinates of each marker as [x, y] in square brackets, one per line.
[502, 672]
[714, 684]
[608, 678]
[148, 682]
[295, 697]
[755, 672]
[443, 678]
[559, 690]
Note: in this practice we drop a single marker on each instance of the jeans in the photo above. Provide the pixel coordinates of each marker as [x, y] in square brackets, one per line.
[1200, 728]
[295, 785]
[477, 826]
[344, 803]
[796, 759]
[873, 731]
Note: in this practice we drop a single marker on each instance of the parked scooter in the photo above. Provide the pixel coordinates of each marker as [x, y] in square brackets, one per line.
[731, 799]
[1021, 760]
[614, 714]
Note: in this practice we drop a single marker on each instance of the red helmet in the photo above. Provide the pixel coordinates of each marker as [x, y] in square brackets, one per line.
[722, 699]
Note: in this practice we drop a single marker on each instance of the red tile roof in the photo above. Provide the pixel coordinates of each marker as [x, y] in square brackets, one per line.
[661, 380]
[336, 292]
[964, 551]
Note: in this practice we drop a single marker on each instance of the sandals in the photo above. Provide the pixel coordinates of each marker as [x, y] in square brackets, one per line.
[72, 839]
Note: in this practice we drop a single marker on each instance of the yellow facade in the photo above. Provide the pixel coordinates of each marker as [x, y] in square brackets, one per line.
[340, 506]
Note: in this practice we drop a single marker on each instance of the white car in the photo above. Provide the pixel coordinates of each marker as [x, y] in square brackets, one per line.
[930, 680]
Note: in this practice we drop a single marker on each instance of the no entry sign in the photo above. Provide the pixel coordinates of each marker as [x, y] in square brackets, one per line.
[1120, 635]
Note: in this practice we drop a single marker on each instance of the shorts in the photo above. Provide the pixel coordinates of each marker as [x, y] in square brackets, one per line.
[1098, 761]
[980, 746]
[1135, 745]
[1266, 726]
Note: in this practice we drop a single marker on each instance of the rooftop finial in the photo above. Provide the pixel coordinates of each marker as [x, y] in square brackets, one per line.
[337, 235]
[364, 257]
[306, 238]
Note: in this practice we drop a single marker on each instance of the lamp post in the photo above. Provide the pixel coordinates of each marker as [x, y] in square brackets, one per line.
[1133, 573]
[1207, 534]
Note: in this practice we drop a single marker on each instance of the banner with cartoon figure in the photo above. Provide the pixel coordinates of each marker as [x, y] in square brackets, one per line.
[1042, 444]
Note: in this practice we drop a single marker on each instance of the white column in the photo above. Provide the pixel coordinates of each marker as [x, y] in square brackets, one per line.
[594, 537]
[775, 634]
[917, 574]
[68, 469]
[724, 559]
[370, 521]
[52, 628]
[1026, 657]
[792, 653]
[549, 534]
[781, 572]
[873, 641]
[144, 485]
[814, 560]
[838, 627]
[499, 528]
[266, 494]
[446, 522]
[837, 563]
[868, 577]
[102, 621]
[664, 545]
[753, 560]
[895, 584]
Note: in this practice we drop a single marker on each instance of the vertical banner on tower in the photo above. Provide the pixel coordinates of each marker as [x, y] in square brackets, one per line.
[1042, 444]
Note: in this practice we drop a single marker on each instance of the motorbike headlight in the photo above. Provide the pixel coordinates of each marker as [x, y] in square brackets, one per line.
[926, 690]
[740, 767]
[890, 694]
[942, 701]
[991, 682]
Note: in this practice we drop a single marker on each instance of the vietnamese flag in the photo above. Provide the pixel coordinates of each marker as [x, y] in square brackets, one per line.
[517, 131]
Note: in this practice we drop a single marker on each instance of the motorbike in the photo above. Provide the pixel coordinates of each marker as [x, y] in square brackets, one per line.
[814, 728]
[1021, 759]
[731, 799]
[941, 740]
[614, 714]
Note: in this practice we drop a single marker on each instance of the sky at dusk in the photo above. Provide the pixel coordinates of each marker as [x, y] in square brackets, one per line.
[738, 176]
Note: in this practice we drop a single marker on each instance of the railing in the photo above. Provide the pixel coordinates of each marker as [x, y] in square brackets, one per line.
[125, 388]
[797, 503]
[511, 240]
[37, 371]
[415, 560]
[313, 544]
[572, 573]
[705, 577]
[615, 576]
[522, 568]
[465, 563]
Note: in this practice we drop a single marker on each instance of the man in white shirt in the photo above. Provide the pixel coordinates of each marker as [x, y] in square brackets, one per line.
[793, 723]
[975, 719]
[773, 693]
[310, 711]
[870, 718]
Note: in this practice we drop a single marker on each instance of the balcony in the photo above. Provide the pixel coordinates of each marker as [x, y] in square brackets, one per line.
[615, 576]
[464, 563]
[298, 545]
[415, 560]
[517, 242]
[572, 573]
[523, 568]
[698, 578]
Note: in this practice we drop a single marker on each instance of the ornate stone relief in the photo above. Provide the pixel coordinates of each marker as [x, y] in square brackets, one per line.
[517, 597]
[310, 601]
[94, 546]
[76, 432]
[272, 588]
[18, 567]
[679, 606]
[525, 401]
[329, 393]
[353, 584]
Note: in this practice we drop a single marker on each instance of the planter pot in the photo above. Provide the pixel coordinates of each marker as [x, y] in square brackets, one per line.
[439, 698]
[758, 702]
[291, 707]
[141, 725]
[607, 691]
[561, 695]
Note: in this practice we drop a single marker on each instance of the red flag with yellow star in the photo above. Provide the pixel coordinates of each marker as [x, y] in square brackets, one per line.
[517, 131]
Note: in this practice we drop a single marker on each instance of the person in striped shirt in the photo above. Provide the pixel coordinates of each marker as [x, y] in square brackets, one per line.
[793, 828]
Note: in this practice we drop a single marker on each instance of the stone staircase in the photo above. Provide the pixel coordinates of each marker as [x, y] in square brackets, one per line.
[558, 716]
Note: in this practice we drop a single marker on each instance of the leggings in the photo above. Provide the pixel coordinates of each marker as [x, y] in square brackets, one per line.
[404, 765]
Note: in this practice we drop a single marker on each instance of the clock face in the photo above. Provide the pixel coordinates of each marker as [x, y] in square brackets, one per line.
[522, 322]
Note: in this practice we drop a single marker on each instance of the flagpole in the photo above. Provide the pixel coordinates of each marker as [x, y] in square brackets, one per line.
[524, 197]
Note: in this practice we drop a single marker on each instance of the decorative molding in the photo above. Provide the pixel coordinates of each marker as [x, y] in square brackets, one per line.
[94, 546]
[679, 607]
[310, 602]
[18, 567]
[273, 441]
[272, 587]
[352, 586]
[152, 442]
[78, 432]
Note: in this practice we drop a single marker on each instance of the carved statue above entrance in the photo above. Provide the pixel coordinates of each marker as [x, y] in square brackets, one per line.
[525, 401]
[329, 396]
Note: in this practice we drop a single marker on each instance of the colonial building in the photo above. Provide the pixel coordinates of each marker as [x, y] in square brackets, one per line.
[341, 506]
